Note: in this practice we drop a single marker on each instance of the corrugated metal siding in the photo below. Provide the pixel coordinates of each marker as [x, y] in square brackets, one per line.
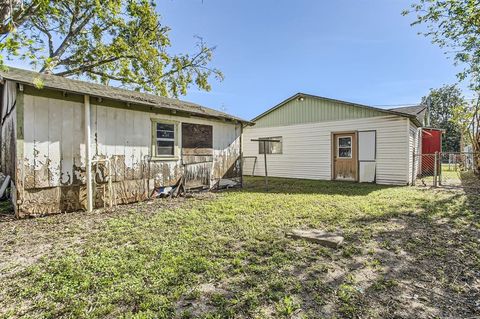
[314, 110]
[307, 148]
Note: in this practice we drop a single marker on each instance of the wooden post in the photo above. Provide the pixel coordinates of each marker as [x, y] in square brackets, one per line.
[265, 160]
[241, 155]
[413, 169]
[435, 170]
[88, 158]
[264, 141]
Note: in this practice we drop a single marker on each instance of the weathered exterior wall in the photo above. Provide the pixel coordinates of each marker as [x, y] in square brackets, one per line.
[307, 148]
[8, 129]
[54, 153]
[314, 110]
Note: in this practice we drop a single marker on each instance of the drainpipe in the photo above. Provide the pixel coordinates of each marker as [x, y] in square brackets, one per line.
[88, 157]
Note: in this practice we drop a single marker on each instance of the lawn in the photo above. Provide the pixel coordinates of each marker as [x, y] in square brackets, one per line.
[408, 252]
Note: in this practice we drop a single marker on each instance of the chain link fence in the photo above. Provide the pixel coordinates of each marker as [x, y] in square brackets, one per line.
[442, 169]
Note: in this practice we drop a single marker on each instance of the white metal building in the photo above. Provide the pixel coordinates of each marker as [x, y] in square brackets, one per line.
[327, 139]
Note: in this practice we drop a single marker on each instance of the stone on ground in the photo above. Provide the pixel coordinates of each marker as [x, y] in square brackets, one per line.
[317, 236]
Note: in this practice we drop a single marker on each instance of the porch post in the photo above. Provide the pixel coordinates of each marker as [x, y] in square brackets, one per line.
[88, 158]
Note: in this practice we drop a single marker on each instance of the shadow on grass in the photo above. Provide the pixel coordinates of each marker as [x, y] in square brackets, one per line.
[414, 262]
[430, 261]
[279, 185]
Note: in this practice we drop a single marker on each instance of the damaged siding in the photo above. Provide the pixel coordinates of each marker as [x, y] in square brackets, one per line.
[9, 129]
[54, 150]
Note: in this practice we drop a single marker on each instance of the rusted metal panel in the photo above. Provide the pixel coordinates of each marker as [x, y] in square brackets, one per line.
[198, 175]
[44, 201]
[187, 159]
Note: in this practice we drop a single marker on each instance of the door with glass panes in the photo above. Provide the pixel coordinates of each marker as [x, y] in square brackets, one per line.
[345, 165]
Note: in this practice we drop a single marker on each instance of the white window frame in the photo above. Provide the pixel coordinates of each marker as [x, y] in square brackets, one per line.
[176, 138]
[338, 147]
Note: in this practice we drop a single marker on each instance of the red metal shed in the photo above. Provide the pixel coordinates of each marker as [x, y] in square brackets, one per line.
[431, 143]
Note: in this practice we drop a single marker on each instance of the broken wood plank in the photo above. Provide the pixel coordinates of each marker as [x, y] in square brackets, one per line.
[317, 236]
[4, 186]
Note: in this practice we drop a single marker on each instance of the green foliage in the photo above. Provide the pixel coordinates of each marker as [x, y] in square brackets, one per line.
[113, 41]
[455, 26]
[467, 117]
[442, 103]
[286, 307]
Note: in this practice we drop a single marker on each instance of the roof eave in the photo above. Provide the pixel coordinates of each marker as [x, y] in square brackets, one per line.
[132, 101]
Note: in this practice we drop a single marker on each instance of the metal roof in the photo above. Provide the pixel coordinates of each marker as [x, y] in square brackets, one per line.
[413, 117]
[55, 82]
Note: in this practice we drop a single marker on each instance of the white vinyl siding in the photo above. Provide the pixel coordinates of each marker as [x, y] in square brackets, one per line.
[413, 146]
[307, 148]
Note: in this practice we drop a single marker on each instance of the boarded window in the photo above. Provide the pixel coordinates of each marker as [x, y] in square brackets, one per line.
[197, 139]
[271, 147]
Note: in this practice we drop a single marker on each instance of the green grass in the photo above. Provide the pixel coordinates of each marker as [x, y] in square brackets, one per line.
[228, 257]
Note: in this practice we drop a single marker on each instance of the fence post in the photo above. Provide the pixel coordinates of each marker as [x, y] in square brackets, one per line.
[440, 168]
[435, 170]
[413, 168]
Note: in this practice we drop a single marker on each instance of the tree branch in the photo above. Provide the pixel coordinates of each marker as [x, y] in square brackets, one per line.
[88, 67]
[66, 41]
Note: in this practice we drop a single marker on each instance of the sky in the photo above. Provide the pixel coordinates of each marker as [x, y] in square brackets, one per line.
[361, 51]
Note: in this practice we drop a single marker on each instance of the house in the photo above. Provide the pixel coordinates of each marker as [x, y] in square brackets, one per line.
[71, 145]
[328, 139]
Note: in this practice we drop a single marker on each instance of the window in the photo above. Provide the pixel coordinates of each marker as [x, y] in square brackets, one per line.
[197, 139]
[344, 147]
[164, 139]
[271, 147]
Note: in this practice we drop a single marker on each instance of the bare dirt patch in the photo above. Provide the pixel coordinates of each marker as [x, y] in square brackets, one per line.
[23, 242]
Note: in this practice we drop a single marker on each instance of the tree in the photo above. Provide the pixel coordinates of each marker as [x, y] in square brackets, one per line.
[467, 117]
[14, 13]
[455, 26]
[441, 103]
[109, 41]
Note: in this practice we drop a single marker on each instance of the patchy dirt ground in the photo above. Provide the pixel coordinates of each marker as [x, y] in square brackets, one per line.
[23, 242]
[409, 253]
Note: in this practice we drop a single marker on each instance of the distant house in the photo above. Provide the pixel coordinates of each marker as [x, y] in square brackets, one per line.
[73, 145]
[327, 139]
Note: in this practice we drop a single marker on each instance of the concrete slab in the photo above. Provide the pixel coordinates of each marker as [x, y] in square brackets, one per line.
[317, 236]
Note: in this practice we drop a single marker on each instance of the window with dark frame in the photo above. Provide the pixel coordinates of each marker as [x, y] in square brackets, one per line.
[271, 147]
[165, 139]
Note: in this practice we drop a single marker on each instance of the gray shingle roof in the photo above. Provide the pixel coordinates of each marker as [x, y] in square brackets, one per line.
[417, 110]
[107, 92]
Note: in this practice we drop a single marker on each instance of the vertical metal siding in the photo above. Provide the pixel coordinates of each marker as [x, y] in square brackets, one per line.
[314, 110]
